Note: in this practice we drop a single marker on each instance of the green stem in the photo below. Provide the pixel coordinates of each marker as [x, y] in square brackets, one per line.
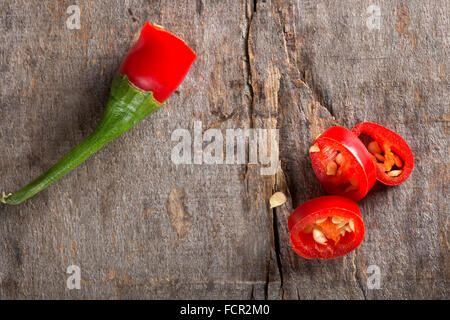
[126, 107]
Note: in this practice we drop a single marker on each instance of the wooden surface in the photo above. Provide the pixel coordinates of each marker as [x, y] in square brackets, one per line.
[140, 226]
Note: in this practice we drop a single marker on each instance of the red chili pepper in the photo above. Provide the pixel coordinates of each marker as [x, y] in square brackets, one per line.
[391, 154]
[342, 164]
[158, 62]
[150, 73]
[326, 227]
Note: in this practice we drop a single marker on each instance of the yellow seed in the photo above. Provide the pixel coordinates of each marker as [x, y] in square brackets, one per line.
[389, 161]
[338, 220]
[347, 228]
[374, 147]
[341, 225]
[394, 173]
[339, 159]
[379, 157]
[319, 237]
[351, 224]
[314, 148]
[398, 161]
[331, 168]
[387, 148]
[342, 232]
[277, 199]
[321, 220]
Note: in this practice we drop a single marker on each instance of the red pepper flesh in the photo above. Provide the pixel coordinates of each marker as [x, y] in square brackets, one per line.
[342, 164]
[337, 219]
[158, 62]
[391, 154]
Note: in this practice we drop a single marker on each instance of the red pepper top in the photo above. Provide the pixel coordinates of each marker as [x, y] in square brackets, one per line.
[158, 62]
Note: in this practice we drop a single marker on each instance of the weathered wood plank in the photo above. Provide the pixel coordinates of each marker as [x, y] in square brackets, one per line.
[397, 76]
[140, 226]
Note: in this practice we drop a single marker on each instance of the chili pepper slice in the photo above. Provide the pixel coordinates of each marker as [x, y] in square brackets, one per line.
[342, 163]
[326, 227]
[392, 156]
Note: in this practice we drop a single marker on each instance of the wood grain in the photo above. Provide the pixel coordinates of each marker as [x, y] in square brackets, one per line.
[140, 226]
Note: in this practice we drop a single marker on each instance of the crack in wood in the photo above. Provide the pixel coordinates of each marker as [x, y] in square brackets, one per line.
[248, 78]
[266, 284]
[276, 240]
[359, 282]
[357, 277]
[248, 69]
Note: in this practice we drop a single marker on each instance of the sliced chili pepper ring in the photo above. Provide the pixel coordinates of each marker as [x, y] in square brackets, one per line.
[391, 155]
[342, 163]
[326, 227]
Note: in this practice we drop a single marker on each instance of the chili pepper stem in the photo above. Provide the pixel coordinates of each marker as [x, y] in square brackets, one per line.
[126, 107]
[4, 197]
